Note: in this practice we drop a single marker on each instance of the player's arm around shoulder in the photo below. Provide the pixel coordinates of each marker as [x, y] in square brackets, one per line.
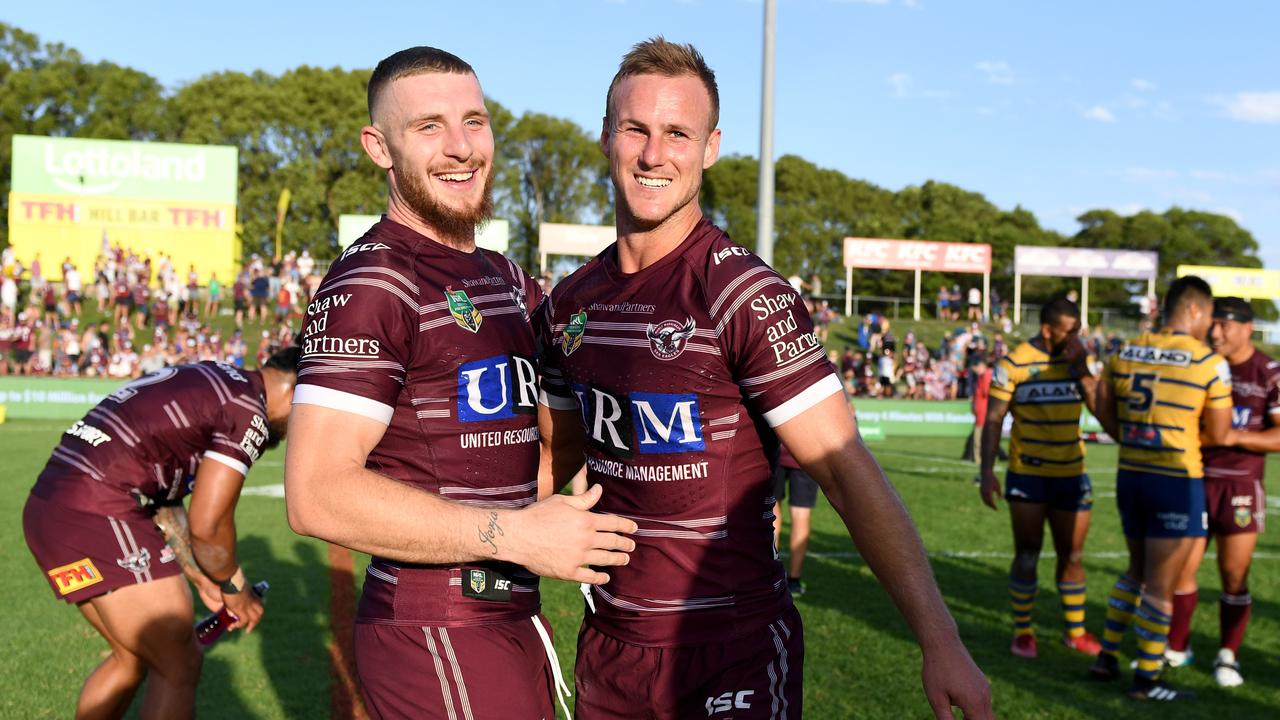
[1215, 423]
[1104, 401]
[824, 440]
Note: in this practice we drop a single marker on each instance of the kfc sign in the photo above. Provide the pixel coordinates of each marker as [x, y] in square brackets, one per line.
[880, 254]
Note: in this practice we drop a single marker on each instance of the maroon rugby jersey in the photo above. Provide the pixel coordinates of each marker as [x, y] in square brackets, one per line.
[148, 438]
[1255, 397]
[680, 372]
[436, 344]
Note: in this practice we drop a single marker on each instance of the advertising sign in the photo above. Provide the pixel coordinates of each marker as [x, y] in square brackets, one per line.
[1237, 281]
[1085, 262]
[878, 254]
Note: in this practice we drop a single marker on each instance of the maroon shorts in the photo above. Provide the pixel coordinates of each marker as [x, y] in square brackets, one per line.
[456, 673]
[85, 555]
[1235, 506]
[758, 675]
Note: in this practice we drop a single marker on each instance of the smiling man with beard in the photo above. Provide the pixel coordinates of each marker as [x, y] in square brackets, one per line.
[417, 349]
[110, 496]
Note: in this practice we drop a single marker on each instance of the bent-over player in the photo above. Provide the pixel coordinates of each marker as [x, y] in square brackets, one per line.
[91, 521]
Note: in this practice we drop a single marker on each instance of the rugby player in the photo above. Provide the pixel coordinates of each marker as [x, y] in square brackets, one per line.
[415, 431]
[1234, 495]
[1044, 382]
[676, 360]
[92, 518]
[1161, 397]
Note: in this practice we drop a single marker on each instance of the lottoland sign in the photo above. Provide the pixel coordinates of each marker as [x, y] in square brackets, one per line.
[878, 419]
[123, 169]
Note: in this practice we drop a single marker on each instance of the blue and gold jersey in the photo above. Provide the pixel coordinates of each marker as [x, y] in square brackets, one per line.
[1162, 383]
[1045, 400]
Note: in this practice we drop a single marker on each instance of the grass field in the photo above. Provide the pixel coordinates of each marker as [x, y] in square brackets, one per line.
[861, 661]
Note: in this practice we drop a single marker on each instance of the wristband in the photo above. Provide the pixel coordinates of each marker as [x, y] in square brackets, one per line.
[232, 585]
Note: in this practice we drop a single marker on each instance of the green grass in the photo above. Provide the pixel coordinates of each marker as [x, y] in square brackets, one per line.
[860, 659]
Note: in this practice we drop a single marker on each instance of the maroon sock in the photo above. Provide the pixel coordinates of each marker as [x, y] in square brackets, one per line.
[1184, 606]
[1233, 618]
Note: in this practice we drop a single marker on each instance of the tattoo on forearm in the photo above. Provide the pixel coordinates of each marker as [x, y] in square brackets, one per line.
[490, 531]
[172, 522]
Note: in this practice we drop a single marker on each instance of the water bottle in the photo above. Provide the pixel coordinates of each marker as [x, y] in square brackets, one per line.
[213, 627]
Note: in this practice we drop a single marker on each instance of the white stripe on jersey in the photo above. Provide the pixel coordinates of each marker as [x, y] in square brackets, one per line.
[326, 286]
[487, 503]
[787, 368]
[457, 674]
[114, 421]
[668, 606]
[227, 460]
[383, 576]
[803, 400]
[724, 294]
[306, 394]
[726, 420]
[695, 523]
[177, 410]
[380, 284]
[432, 414]
[75, 459]
[683, 534]
[755, 288]
[723, 434]
[455, 490]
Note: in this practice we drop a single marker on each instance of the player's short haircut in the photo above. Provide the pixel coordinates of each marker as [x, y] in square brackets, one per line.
[657, 56]
[286, 360]
[1186, 290]
[420, 60]
[1056, 308]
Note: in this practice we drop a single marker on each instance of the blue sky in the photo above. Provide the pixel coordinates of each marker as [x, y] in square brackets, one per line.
[1058, 107]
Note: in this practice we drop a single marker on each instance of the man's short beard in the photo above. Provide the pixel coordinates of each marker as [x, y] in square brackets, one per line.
[448, 222]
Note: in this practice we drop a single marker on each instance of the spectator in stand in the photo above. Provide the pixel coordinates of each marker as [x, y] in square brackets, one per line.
[944, 303]
[49, 295]
[975, 304]
[888, 371]
[998, 347]
[9, 300]
[240, 297]
[870, 387]
[911, 373]
[790, 481]
[955, 299]
[284, 300]
[306, 264]
[259, 288]
[74, 289]
[214, 303]
[864, 333]
[980, 398]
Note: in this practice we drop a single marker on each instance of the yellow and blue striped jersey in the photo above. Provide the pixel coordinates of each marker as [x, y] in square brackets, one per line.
[1045, 400]
[1162, 383]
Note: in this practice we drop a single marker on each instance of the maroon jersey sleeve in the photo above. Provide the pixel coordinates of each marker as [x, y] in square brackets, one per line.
[1273, 393]
[554, 391]
[359, 330]
[240, 434]
[767, 336]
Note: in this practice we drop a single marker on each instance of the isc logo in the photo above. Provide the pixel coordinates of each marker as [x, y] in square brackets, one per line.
[729, 701]
[648, 422]
[497, 388]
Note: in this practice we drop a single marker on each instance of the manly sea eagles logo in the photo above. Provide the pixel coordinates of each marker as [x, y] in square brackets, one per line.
[572, 338]
[477, 580]
[518, 297]
[136, 562]
[463, 310]
[668, 338]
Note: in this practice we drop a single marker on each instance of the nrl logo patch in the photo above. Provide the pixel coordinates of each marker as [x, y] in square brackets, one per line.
[572, 338]
[136, 562]
[668, 338]
[477, 581]
[463, 310]
[1243, 516]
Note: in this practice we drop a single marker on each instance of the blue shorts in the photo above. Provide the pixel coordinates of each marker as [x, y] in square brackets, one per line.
[1073, 493]
[1161, 506]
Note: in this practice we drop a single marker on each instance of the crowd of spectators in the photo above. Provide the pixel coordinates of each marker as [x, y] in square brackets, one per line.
[135, 314]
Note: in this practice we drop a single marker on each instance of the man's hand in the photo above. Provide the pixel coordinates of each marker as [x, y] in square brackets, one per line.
[1077, 358]
[990, 488]
[247, 608]
[951, 679]
[558, 537]
[1232, 438]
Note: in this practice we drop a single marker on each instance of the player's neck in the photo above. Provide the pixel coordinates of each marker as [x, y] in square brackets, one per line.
[397, 211]
[638, 249]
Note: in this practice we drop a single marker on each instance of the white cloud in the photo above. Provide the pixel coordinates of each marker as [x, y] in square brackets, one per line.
[1099, 113]
[901, 83]
[1144, 174]
[1232, 213]
[1142, 85]
[1256, 107]
[1214, 176]
[997, 72]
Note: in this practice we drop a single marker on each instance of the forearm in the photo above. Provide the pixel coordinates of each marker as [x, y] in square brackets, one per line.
[362, 510]
[172, 521]
[214, 549]
[1089, 388]
[886, 537]
[990, 444]
[1262, 441]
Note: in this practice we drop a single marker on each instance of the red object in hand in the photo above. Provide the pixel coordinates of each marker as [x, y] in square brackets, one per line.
[213, 627]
